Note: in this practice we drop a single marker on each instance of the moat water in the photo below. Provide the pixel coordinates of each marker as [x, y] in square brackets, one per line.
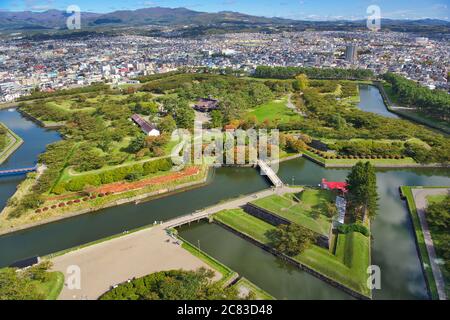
[393, 247]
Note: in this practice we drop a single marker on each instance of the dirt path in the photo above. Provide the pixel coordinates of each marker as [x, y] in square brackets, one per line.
[420, 198]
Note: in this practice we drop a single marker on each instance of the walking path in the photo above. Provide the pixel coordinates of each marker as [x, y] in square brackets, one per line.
[115, 261]
[138, 254]
[232, 204]
[292, 106]
[420, 199]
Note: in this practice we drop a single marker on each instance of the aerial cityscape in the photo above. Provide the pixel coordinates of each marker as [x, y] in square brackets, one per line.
[232, 151]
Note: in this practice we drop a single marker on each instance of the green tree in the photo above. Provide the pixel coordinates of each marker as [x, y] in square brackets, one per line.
[291, 239]
[362, 190]
[174, 285]
[216, 119]
[302, 81]
[167, 124]
[438, 214]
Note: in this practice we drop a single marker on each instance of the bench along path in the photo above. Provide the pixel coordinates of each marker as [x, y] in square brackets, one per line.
[420, 198]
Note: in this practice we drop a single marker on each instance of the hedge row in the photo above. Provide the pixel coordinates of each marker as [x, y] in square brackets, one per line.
[114, 175]
[362, 156]
[355, 227]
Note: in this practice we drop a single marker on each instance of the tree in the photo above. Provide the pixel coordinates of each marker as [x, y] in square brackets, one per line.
[174, 285]
[22, 285]
[291, 239]
[302, 81]
[167, 124]
[216, 119]
[438, 214]
[136, 144]
[362, 190]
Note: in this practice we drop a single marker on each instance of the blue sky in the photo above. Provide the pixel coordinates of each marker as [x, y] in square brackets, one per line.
[295, 9]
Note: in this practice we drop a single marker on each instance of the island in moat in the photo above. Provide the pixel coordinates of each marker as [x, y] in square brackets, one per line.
[117, 149]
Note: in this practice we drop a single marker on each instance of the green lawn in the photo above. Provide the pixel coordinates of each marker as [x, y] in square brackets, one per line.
[348, 267]
[310, 212]
[274, 110]
[245, 223]
[245, 285]
[52, 288]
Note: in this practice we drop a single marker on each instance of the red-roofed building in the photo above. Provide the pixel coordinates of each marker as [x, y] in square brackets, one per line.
[328, 185]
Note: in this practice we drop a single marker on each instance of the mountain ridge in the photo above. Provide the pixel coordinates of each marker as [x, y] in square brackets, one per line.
[56, 19]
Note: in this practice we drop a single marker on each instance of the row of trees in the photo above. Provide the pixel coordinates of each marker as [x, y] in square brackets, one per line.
[435, 103]
[175, 285]
[438, 217]
[131, 172]
[38, 94]
[313, 73]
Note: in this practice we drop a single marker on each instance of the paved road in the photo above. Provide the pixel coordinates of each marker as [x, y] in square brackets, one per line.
[117, 260]
[420, 198]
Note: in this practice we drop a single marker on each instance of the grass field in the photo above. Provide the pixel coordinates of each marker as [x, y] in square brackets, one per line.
[52, 288]
[348, 267]
[275, 111]
[310, 212]
[244, 285]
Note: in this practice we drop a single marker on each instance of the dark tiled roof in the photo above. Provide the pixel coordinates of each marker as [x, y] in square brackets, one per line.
[145, 126]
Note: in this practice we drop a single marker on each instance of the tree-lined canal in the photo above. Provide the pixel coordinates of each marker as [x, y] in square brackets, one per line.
[393, 246]
[371, 100]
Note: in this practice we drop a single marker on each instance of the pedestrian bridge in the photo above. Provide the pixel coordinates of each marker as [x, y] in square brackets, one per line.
[15, 172]
[267, 170]
[231, 204]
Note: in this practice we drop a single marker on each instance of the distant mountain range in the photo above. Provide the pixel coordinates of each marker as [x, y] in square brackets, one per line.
[56, 19]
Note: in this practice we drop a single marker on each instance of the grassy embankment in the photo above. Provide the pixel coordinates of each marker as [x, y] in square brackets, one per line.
[307, 208]
[420, 241]
[347, 267]
[12, 143]
[52, 288]
[227, 274]
[160, 189]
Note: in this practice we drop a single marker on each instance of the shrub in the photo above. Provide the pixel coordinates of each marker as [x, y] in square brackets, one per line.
[355, 227]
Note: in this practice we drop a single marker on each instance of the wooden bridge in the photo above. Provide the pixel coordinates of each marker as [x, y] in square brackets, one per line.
[267, 170]
[15, 172]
